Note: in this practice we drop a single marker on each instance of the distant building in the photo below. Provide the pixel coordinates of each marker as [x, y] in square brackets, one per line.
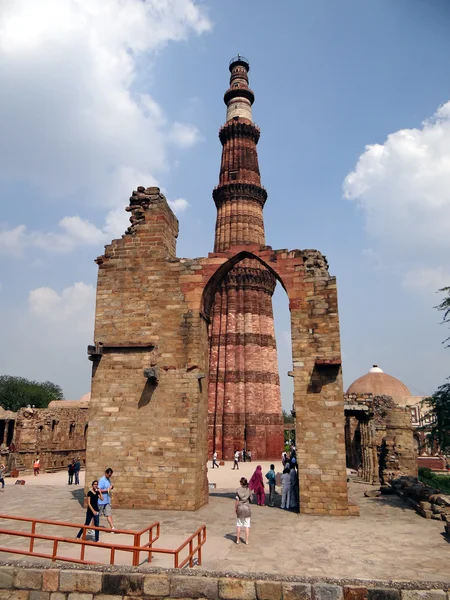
[57, 433]
[378, 384]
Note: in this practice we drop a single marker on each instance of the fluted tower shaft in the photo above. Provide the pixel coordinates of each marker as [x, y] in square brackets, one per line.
[244, 388]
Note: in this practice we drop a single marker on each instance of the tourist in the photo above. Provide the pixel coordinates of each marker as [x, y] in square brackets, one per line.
[214, 461]
[2, 476]
[92, 512]
[283, 458]
[249, 456]
[71, 471]
[104, 505]
[271, 478]
[243, 455]
[294, 487]
[256, 484]
[243, 510]
[76, 472]
[236, 460]
[286, 483]
[36, 465]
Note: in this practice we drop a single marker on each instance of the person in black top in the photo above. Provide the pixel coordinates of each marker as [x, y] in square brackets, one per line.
[92, 512]
[71, 471]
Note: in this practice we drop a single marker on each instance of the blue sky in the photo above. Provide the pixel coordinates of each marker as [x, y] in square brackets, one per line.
[99, 98]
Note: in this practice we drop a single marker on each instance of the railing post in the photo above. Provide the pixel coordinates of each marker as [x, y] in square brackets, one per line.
[55, 550]
[150, 544]
[112, 556]
[176, 560]
[199, 553]
[137, 542]
[33, 530]
[191, 562]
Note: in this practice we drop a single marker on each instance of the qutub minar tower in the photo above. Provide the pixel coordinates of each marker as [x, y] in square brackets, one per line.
[184, 354]
[244, 401]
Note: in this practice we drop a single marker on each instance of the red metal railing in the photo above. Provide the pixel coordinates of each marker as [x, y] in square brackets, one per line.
[136, 548]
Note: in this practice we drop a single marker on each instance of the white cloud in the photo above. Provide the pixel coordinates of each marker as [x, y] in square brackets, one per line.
[179, 205]
[403, 188]
[184, 136]
[429, 279]
[74, 305]
[73, 232]
[72, 119]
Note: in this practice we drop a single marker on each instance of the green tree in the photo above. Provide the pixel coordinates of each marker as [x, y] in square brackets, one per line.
[439, 402]
[287, 417]
[444, 307]
[17, 392]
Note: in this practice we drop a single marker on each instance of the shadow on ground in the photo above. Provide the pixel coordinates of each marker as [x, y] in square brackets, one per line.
[78, 495]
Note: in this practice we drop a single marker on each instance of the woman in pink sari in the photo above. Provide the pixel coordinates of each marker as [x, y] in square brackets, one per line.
[256, 484]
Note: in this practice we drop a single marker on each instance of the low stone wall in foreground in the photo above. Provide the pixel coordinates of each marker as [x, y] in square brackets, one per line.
[114, 583]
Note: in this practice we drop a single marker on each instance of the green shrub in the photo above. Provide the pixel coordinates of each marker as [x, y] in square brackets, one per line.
[425, 472]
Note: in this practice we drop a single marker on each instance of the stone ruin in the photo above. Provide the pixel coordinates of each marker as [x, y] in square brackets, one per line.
[57, 433]
[379, 438]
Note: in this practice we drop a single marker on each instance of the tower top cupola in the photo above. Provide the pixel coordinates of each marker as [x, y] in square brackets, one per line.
[239, 97]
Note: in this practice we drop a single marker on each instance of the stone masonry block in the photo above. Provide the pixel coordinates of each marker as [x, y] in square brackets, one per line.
[34, 595]
[123, 585]
[327, 592]
[193, 587]
[237, 589]
[28, 579]
[382, 594]
[355, 593]
[78, 596]
[106, 597]
[6, 577]
[14, 594]
[156, 585]
[57, 596]
[88, 582]
[268, 590]
[296, 591]
[423, 595]
[50, 580]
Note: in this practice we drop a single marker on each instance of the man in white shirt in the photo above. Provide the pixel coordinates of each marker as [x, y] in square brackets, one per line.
[236, 460]
[215, 463]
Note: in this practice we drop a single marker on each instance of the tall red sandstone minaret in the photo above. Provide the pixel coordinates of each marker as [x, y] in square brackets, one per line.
[244, 386]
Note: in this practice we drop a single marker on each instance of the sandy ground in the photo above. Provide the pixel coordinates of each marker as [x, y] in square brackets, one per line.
[388, 541]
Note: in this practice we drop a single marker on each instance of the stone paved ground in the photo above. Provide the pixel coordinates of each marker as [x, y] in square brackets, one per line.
[388, 541]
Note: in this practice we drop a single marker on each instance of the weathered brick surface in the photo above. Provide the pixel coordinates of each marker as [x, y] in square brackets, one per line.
[6, 577]
[237, 589]
[123, 584]
[193, 587]
[34, 595]
[50, 580]
[297, 591]
[324, 591]
[83, 581]
[423, 595]
[383, 594]
[269, 590]
[29, 579]
[14, 594]
[355, 593]
[156, 585]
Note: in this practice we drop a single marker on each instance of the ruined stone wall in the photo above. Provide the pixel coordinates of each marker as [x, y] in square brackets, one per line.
[57, 434]
[150, 427]
[92, 583]
[401, 453]
[387, 436]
